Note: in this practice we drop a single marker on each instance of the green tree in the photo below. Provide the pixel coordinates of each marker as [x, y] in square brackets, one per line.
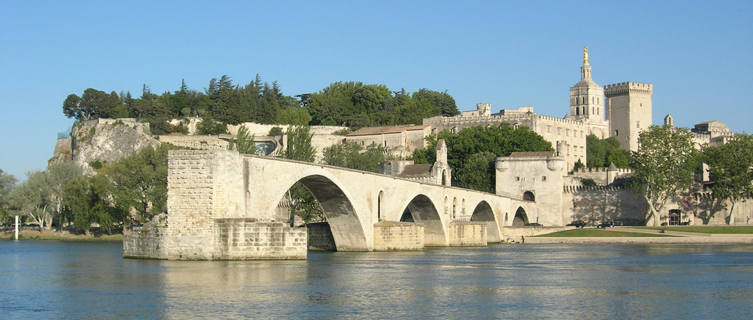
[209, 126]
[270, 104]
[578, 165]
[499, 140]
[299, 144]
[663, 167]
[57, 176]
[441, 103]
[275, 132]
[7, 182]
[303, 203]
[352, 155]
[140, 183]
[602, 152]
[294, 116]
[477, 172]
[357, 105]
[93, 104]
[731, 171]
[31, 199]
[244, 142]
[87, 198]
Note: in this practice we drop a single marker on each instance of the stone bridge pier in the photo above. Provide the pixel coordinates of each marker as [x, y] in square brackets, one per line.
[223, 205]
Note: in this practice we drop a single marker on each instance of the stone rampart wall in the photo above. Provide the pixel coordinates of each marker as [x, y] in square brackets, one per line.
[597, 204]
[195, 142]
[599, 175]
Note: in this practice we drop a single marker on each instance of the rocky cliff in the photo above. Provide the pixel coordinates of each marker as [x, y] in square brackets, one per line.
[106, 141]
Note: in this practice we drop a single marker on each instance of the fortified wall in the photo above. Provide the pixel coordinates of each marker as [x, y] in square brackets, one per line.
[602, 176]
[596, 204]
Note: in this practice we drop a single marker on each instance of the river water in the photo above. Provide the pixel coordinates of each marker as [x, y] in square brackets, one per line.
[69, 280]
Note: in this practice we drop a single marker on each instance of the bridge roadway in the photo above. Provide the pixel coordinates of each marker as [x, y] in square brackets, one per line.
[247, 186]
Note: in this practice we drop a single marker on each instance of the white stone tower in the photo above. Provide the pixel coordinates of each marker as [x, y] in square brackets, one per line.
[629, 111]
[586, 96]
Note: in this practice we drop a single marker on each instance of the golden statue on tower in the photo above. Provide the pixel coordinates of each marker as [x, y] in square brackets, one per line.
[585, 54]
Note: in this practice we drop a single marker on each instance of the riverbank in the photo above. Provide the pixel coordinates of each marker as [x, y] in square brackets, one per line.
[664, 240]
[60, 236]
[640, 235]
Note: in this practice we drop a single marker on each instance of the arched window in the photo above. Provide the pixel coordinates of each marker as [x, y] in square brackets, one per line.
[529, 196]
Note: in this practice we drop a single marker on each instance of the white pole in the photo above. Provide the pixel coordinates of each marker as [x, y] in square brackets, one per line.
[16, 228]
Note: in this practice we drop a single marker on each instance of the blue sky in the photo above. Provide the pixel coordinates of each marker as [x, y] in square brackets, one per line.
[698, 55]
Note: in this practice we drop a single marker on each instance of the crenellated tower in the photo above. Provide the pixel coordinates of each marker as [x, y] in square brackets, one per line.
[586, 96]
[629, 111]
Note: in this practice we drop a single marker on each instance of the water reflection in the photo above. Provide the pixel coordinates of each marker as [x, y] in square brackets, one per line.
[82, 280]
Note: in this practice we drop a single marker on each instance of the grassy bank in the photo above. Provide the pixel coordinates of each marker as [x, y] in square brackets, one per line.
[707, 229]
[60, 236]
[598, 233]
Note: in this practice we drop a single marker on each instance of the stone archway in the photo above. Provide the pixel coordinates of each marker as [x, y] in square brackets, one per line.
[346, 228]
[521, 218]
[529, 196]
[484, 212]
[422, 210]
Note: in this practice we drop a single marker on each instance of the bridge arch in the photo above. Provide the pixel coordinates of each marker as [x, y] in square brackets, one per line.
[347, 230]
[422, 210]
[484, 212]
[521, 218]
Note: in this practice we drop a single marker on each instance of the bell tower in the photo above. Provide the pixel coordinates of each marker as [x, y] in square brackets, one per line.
[586, 97]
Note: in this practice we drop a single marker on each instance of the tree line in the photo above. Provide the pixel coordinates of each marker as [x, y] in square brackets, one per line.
[128, 191]
[350, 103]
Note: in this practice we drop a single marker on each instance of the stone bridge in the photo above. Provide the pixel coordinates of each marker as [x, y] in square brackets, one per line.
[219, 200]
